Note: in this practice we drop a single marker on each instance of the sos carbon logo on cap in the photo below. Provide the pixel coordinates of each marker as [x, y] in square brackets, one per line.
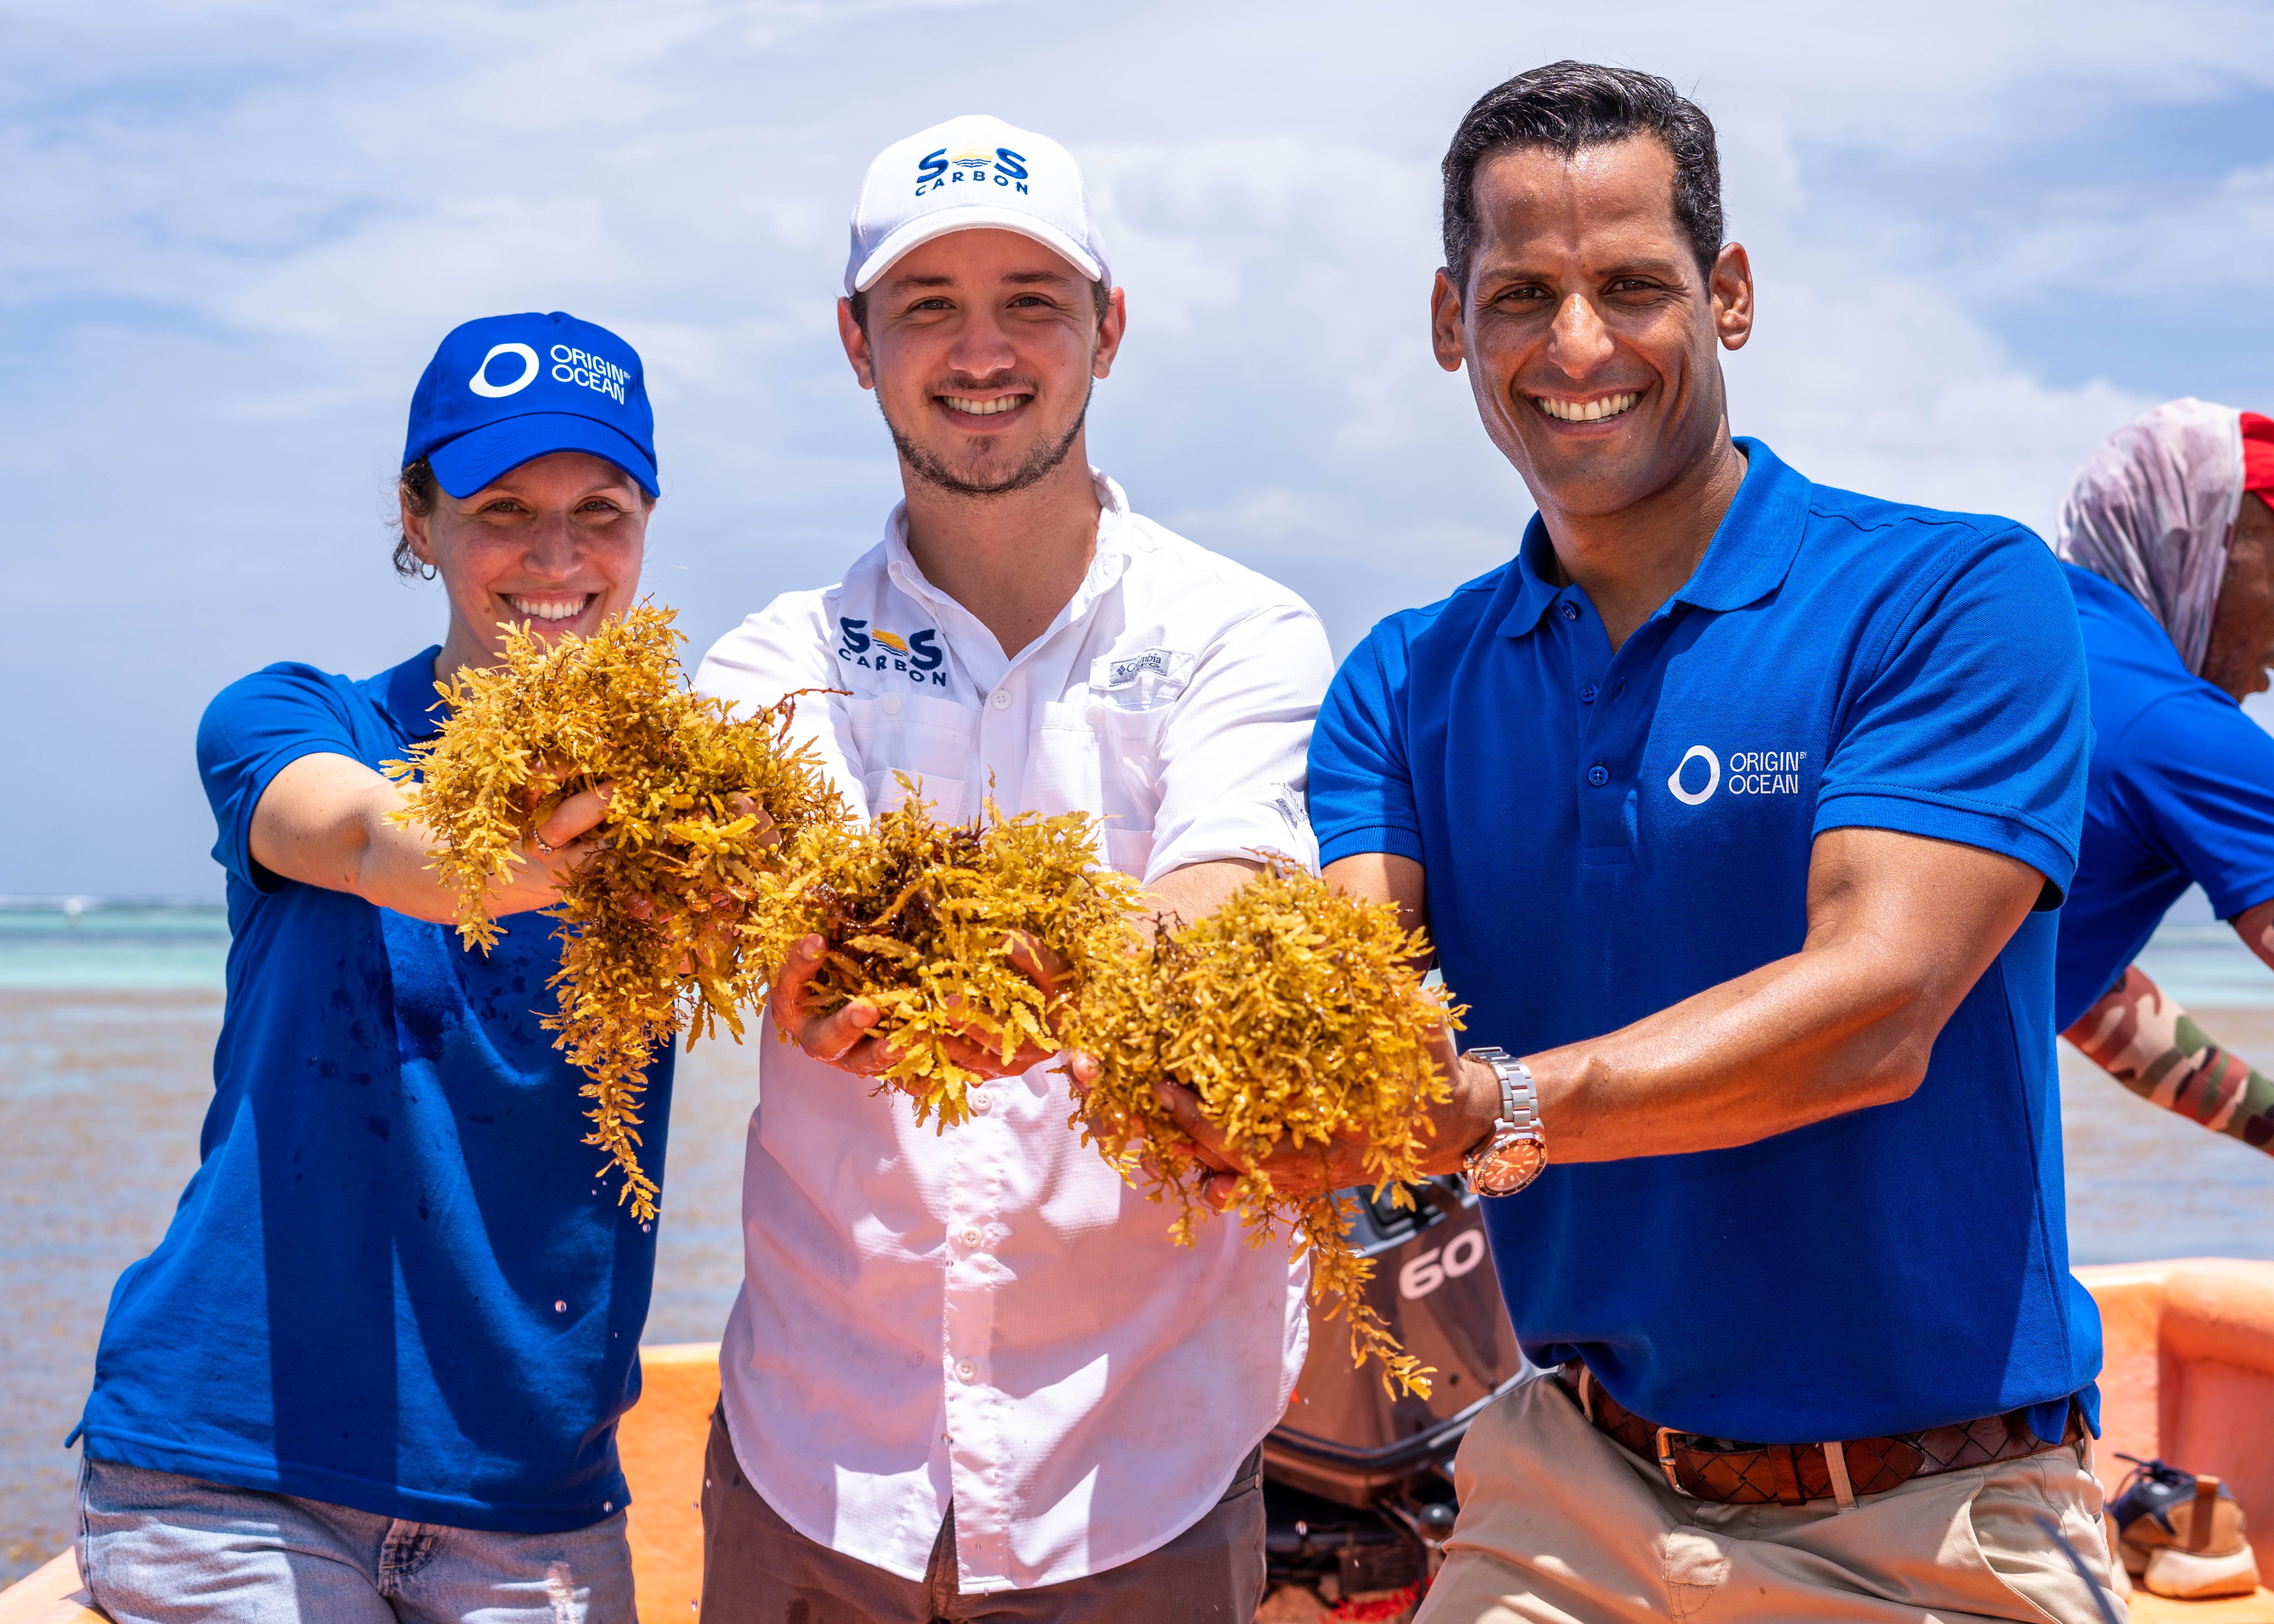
[972, 165]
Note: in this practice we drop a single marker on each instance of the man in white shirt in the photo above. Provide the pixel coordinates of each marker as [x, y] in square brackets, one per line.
[969, 1375]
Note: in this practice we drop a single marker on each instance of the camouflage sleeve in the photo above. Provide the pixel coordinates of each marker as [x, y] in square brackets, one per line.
[2146, 1041]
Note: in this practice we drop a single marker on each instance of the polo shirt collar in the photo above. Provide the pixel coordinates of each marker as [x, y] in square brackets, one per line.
[1118, 538]
[1753, 550]
[1750, 556]
[1534, 593]
[408, 695]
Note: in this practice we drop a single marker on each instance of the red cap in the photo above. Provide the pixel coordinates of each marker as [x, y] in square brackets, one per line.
[2258, 454]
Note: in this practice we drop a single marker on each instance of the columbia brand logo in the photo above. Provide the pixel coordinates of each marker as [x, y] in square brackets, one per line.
[973, 166]
[1124, 671]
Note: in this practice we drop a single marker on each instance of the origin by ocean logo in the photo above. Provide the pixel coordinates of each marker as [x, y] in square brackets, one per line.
[973, 166]
[590, 371]
[1752, 773]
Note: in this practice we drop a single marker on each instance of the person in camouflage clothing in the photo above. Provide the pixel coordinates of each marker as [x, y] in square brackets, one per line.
[2169, 544]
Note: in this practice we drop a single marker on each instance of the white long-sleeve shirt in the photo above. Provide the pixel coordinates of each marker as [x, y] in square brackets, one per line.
[989, 1315]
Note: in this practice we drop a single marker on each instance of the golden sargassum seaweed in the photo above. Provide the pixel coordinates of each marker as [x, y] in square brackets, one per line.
[920, 918]
[1297, 1016]
[656, 925]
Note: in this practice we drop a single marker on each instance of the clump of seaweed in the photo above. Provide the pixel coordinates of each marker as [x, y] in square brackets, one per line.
[656, 924]
[1297, 1016]
[923, 919]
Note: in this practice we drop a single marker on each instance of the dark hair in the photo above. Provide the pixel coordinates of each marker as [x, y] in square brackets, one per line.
[859, 303]
[1568, 105]
[416, 486]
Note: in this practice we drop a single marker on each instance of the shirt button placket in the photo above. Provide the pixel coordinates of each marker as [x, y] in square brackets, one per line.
[975, 1445]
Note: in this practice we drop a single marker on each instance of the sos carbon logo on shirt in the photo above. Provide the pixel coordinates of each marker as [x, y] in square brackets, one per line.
[917, 656]
[973, 166]
[1698, 774]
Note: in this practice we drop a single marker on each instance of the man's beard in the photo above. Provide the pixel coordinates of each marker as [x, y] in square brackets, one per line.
[1039, 465]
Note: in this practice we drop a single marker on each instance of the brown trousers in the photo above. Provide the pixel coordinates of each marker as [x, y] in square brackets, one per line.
[757, 1570]
[1559, 1525]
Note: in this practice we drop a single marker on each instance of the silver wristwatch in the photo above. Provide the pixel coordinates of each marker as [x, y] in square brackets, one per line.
[1511, 1155]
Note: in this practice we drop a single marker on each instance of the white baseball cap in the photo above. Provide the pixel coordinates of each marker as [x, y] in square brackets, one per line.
[969, 173]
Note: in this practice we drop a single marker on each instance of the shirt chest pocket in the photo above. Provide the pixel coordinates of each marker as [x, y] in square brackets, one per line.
[932, 740]
[1101, 752]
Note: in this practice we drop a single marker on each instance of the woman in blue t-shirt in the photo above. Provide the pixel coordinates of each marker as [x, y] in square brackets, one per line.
[2170, 546]
[373, 1369]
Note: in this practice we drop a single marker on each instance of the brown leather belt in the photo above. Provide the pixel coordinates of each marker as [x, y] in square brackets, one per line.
[1742, 1474]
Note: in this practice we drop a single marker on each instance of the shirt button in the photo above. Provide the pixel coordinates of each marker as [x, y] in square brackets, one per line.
[1000, 699]
[1570, 610]
[891, 704]
[1587, 693]
[981, 1103]
[966, 1371]
[970, 1238]
[1597, 777]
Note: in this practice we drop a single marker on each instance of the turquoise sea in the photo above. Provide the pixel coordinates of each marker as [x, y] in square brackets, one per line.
[108, 1015]
[79, 945]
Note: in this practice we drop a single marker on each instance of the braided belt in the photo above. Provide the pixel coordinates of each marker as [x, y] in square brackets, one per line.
[1742, 1474]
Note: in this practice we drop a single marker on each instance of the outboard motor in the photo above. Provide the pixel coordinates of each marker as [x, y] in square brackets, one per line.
[1358, 1484]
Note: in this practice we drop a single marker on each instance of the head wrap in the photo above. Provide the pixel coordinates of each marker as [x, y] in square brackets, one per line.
[2151, 510]
[2258, 454]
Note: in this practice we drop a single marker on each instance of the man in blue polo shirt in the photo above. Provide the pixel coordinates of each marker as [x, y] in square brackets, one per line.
[2169, 541]
[1737, 808]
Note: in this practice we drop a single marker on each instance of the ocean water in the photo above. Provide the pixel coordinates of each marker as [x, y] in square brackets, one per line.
[78, 947]
[106, 1026]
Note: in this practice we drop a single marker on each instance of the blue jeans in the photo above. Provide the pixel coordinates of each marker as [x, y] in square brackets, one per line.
[157, 1548]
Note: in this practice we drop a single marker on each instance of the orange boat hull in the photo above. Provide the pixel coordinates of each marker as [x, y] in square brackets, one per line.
[2189, 1377]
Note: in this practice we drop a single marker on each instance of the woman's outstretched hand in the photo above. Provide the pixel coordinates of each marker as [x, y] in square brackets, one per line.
[544, 861]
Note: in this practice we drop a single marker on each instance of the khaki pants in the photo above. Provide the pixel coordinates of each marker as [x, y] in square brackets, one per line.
[1559, 1525]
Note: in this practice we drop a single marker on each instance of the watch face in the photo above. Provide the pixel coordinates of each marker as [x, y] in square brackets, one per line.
[1506, 1168]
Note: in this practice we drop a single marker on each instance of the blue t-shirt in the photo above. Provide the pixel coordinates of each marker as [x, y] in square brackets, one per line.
[2182, 791]
[397, 1281]
[1605, 835]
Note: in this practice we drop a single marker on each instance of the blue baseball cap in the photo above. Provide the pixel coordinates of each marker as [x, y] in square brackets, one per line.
[507, 388]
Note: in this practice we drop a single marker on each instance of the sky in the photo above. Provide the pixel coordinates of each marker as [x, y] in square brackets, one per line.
[1983, 233]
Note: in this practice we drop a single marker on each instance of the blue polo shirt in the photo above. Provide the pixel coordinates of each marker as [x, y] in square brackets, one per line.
[2182, 791]
[397, 1281]
[1606, 835]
